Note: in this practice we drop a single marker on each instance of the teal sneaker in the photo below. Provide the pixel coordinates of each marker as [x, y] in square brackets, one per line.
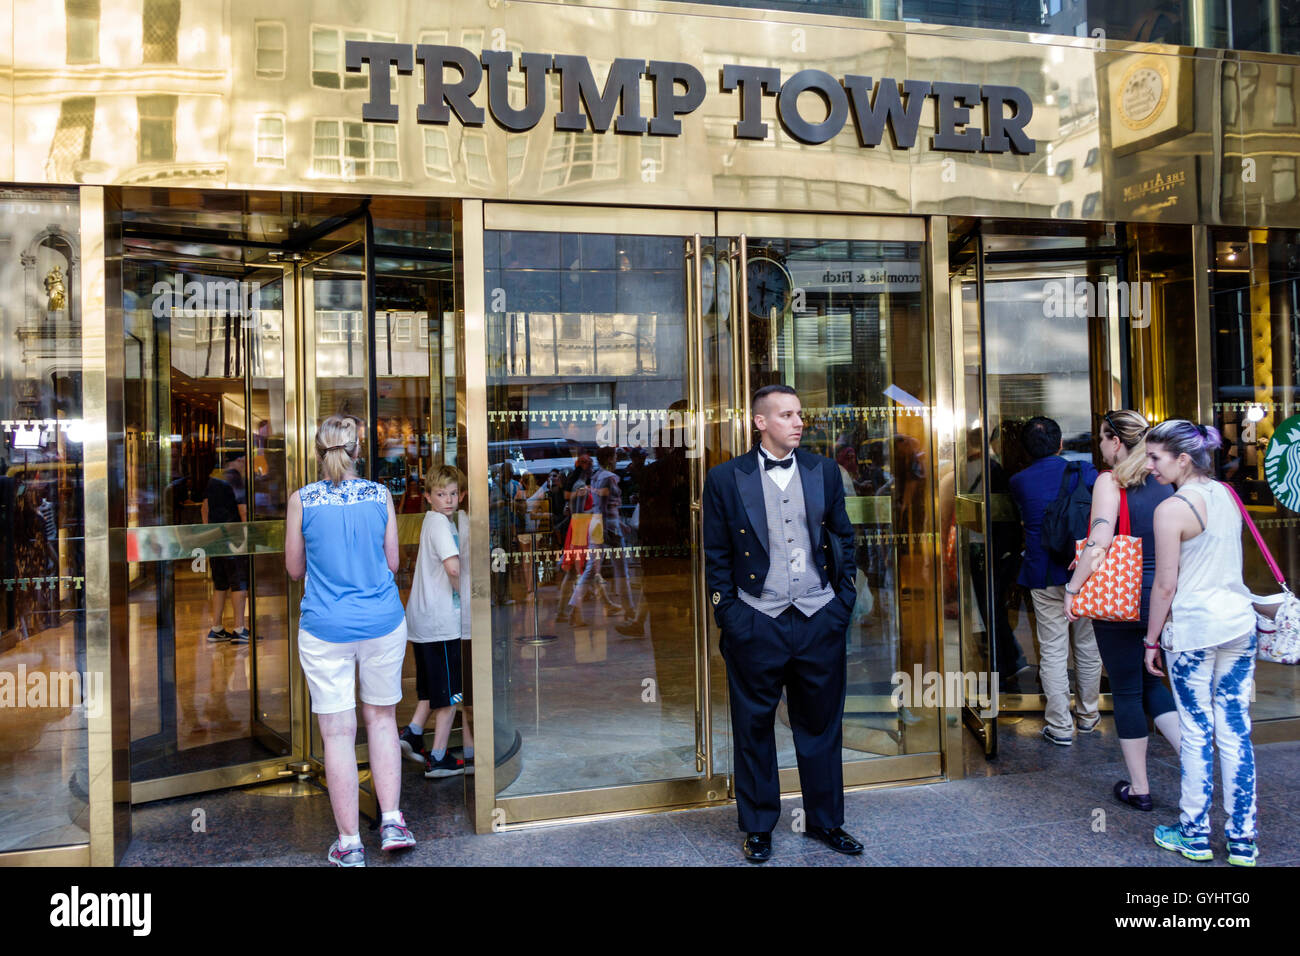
[1242, 852]
[1194, 848]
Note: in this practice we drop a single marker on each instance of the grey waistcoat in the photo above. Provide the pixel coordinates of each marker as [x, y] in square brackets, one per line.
[792, 573]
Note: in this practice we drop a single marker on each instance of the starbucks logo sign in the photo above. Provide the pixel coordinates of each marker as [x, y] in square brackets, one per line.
[1282, 463]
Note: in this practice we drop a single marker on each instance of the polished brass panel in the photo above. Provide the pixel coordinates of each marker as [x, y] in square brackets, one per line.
[944, 438]
[231, 119]
[238, 775]
[60, 856]
[295, 448]
[661, 795]
[1037, 703]
[880, 770]
[109, 731]
[870, 509]
[177, 542]
[6, 93]
[1268, 731]
[796, 226]
[618, 219]
[695, 376]
[472, 435]
[1204, 350]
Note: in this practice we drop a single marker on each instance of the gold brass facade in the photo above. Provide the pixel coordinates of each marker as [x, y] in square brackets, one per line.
[243, 99]
[249, 103]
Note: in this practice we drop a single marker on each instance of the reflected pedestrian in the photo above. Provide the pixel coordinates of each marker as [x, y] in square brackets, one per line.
[1034, 489]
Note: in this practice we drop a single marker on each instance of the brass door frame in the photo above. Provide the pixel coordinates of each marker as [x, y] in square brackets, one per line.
[300, 400]
[1108, 371]
[492, 812]
[176, 542]
[699, 229]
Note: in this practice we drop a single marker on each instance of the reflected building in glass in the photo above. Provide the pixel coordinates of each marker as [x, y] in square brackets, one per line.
[218, 226]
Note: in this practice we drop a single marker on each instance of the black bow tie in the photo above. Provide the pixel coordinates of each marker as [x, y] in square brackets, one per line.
[769, 464]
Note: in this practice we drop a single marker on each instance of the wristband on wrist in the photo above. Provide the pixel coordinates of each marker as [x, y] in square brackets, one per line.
[1068, 591]
[1151, 647]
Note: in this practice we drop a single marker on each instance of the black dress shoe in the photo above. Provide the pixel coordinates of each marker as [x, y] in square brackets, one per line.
[758, 847]
[836, 839]
[1139, 801]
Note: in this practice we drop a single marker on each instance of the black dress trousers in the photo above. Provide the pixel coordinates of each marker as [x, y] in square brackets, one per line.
[806, 656]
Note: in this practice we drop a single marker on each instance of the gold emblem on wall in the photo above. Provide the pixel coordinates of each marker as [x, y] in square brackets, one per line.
[1150, 99]
[1143, 93]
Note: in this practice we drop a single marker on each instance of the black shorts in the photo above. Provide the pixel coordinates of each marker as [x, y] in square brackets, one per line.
[437, 672]
[229, 573]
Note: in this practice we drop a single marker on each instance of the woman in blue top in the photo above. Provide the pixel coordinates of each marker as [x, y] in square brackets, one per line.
[341, 532]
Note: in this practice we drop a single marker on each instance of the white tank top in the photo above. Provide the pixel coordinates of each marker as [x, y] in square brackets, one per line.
[1211, 606]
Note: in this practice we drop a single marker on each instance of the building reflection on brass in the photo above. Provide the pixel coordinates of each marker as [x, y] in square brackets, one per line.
[225, 95]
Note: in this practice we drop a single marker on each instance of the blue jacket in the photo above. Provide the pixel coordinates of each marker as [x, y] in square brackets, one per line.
[1034, 488]
[735, 531]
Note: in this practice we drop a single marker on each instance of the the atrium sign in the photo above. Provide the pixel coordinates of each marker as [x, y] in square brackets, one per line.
[678, 89]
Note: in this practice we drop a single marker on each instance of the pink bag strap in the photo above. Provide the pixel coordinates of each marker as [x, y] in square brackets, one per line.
[1124, 527]
[1259, 540]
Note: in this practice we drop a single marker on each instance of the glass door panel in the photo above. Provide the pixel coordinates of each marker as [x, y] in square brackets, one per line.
[1039, 328]
[205, 489]
[597, 445]
[836, 308]
[268, 481]
[335, 292]
[966, 531]
[1039, 359]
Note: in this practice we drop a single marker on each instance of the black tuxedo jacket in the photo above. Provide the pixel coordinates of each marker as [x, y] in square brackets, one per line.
[735, 531]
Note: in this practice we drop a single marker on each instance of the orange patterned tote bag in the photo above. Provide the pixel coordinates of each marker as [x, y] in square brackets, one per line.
[1113, 592]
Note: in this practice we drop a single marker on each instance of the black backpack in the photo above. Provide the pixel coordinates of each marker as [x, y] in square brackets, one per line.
[1066, 519]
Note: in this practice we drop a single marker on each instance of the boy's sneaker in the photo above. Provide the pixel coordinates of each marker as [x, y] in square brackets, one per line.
[239, 636]
[413, 747]
[1242, 852]
[1194, 848]
[217, 634]
[353, 857]
[395, 836]
[1061, 740]
[448, 766]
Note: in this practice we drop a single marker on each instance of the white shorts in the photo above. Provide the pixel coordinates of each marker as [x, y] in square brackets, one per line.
[331, 670]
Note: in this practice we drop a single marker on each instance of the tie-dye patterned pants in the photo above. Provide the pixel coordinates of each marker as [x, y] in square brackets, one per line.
[1212, 688]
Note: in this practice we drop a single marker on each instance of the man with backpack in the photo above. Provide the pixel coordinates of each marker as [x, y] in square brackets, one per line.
[1054, 497]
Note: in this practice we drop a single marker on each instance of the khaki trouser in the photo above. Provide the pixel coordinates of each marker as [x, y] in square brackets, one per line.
[1054, 655]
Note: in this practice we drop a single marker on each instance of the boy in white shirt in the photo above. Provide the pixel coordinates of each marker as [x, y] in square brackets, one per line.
[433, 625]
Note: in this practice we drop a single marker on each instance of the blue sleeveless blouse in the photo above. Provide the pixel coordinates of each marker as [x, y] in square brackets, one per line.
[350, 594]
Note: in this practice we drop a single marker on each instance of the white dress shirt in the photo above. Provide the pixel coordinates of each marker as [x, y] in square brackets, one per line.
[781, 476]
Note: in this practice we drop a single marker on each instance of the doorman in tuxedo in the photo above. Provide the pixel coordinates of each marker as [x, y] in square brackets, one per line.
[778, 551]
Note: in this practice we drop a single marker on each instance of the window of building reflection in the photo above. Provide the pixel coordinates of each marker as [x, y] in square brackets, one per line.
[83, 30]
[159, 29]
[45, 691]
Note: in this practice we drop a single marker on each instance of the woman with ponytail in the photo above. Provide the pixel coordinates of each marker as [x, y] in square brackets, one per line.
[341, 532]
[1137, 695]
[1210, 646]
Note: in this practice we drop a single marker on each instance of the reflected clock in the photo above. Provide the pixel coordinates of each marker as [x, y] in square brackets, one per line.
[767, 285]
